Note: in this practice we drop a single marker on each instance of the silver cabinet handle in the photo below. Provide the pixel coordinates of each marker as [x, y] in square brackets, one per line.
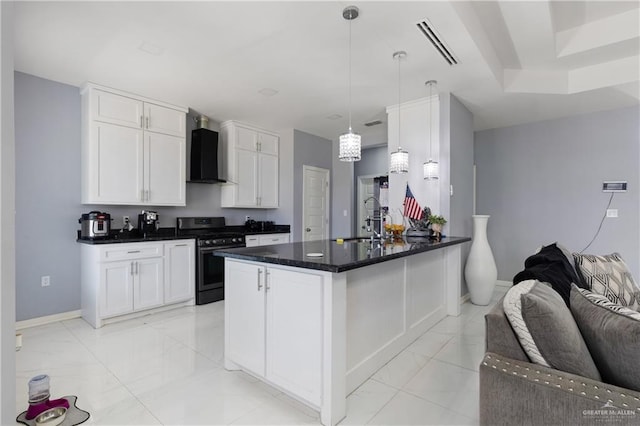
[259, 284]
[141, 124]
[147, 122]
[181, 245]
[266, 281]
[133, 251]
[148, 192]
[131, 268]
[137, 268]
[275, 239]
[142, 194]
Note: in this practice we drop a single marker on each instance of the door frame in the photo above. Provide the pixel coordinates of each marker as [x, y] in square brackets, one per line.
[327, 195]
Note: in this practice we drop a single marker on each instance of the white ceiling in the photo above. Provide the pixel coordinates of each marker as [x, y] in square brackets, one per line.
[518, 61]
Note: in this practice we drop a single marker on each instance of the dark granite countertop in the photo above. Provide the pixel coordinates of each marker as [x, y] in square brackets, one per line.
[116, 237]
[337, 257]
[170, 234]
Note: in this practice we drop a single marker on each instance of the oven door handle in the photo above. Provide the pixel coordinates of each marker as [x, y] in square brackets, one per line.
[203, 250]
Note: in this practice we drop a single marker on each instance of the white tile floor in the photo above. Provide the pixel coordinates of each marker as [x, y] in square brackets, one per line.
[167, 369]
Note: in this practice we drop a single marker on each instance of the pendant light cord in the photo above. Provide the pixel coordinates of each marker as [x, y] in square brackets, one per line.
[430, 117]
[399, 88]
[350, 75]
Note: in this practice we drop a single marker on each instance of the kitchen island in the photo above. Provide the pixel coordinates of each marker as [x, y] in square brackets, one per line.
[317, 319]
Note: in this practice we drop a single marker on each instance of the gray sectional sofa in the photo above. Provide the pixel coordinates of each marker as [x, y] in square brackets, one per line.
[514, 391]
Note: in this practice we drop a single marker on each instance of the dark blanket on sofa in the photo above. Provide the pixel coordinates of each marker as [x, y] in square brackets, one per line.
[550, 265]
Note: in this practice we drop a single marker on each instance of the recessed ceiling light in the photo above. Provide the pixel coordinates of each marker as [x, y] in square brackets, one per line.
[152, 49]
[334, 116]
[267, 92]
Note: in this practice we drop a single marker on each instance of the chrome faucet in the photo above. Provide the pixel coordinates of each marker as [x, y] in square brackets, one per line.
[376, 234]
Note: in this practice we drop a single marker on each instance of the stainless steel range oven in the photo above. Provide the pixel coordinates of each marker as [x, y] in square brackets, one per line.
[211, 235]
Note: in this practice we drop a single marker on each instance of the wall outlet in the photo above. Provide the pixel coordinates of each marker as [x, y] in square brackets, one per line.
[125, 220]
[612, 212]
[45, 281]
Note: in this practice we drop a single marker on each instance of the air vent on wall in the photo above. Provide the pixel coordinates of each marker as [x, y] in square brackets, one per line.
[430, 33]
[373, 123]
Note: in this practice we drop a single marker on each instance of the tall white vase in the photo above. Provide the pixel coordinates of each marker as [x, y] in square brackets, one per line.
[480, 271]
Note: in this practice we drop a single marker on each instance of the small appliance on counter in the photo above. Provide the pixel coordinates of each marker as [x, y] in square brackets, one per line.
[148, 222]
[259, 225]
[95, 225]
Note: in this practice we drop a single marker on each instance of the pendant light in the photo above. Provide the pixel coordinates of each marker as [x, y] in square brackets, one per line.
[350, 142]
[430, 168]
[399, 162]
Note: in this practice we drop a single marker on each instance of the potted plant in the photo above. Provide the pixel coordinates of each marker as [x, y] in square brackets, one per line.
[437, 222]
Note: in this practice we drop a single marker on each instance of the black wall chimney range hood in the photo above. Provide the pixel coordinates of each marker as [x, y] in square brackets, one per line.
[204, 157]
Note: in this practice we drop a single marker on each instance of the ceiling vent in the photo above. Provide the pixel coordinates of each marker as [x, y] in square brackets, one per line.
[373, 123]
[430, 33]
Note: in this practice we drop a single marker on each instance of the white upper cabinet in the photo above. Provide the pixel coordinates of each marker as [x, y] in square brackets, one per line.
[116, 109]
[133, 149]
[252, 166]
[160, 119]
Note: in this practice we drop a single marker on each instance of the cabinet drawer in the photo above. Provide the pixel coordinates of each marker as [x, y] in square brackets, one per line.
[267, 239]
[130, 251]
[252, 240]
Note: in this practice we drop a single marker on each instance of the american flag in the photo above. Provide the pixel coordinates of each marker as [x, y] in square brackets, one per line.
[411, 207]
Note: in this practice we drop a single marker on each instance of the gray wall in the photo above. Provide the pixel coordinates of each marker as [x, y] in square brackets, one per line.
[541, 183]
[48, 205]
[308, 150]
[7, 220]
[47, 198]
[461, 175]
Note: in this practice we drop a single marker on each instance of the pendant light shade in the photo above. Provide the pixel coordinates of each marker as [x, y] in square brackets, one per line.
[350, 144]
[430, 169]
[399, 161]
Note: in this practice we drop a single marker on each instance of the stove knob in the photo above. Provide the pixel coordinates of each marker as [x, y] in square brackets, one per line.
[215, 241]
[207, 242]
[234, 240]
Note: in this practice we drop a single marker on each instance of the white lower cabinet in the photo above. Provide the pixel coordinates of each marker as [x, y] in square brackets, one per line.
[266, 239]
[274, 326]
[125, 278]
[179, 271]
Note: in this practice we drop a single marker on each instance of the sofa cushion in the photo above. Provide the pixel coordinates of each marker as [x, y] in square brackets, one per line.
[546, 329]
[612, 334]
[609, 276]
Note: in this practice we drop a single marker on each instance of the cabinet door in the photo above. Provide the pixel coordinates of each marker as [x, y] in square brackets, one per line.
[268, 181]
[149, 283]
[117, 158]
[179, 271]
[268, 143]
[116, 288]
[246, 185]
[165, 169]
[294, 332]
[246, 139]
[164, 120]
[245, 315]
[116, 109]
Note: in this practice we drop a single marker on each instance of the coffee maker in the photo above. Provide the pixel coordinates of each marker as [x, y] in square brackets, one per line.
[148, 222]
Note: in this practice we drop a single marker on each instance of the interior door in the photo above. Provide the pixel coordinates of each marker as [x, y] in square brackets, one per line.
[315, 209]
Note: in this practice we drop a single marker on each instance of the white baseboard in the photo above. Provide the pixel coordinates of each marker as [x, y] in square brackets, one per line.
[502, 283]
[465, 298]
[33, 322]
